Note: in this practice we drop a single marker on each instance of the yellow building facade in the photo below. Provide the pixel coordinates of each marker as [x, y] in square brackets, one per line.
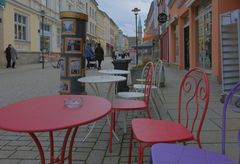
[21, 26]
[100, 29]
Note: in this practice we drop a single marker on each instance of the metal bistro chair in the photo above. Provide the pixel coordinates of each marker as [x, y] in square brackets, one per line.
[174, 153]
[136, 93]
[120, 104]
[157, 95]
[193, 101]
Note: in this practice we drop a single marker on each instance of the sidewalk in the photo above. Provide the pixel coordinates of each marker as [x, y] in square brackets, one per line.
[31, 80]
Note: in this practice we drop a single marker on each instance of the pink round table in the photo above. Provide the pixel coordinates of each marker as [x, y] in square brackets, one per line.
[48, 114]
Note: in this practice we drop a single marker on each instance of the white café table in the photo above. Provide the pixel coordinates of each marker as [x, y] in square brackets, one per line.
[93, 82]
[114, 71]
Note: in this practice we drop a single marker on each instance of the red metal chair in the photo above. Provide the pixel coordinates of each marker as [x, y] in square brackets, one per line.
[120, 104]
[175, 153]
[193, 99]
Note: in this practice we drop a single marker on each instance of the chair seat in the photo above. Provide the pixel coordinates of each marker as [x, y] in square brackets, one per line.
[128, 104]
[180, 154]
[152, 131]
[141, 86]
[130, 95]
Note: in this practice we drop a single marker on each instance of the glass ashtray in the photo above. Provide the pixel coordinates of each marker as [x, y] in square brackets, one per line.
[73, 102]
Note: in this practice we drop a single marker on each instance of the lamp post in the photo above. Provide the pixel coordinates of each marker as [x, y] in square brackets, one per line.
[42, 40]
[135, 11]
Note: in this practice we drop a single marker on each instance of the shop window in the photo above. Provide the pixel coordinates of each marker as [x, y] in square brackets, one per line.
[20, 26]
[176, 44]
[204, 32]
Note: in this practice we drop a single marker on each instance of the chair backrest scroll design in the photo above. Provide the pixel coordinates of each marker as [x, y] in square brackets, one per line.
[193, 99]
[148, 81]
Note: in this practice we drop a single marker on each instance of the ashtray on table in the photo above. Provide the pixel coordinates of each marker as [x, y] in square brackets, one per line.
[73, 102]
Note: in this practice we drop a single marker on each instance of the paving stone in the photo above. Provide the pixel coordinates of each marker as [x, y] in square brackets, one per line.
[10, 138]
[29, 162]
[96, 156]
[111, 160]
[101, 145]
[9, 148]
[6, 153]
[24, 155]
[82, 156]
[9, 161]
[116, 148]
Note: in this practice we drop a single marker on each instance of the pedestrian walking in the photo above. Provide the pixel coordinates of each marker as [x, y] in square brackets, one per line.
[14, 56]
[88, 53]
[8, 55]
[99, 55]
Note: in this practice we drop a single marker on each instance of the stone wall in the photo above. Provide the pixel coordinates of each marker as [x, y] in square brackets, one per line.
[28, 57]
[23, 58]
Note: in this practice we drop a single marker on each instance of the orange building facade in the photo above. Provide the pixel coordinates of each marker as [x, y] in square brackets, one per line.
[194, 33]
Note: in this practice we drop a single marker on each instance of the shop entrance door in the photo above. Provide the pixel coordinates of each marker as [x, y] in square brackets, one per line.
[186, 48]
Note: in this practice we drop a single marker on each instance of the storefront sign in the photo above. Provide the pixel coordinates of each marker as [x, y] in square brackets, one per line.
[162, 18]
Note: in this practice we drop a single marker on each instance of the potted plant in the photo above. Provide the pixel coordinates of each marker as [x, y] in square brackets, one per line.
[136, 71]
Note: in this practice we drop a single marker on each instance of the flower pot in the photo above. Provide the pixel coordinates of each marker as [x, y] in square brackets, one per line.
[136, 73]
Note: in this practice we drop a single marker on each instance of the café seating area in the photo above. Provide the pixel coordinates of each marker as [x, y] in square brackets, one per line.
[142, 142]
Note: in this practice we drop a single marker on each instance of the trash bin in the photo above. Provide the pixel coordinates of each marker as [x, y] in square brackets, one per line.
[123, 65]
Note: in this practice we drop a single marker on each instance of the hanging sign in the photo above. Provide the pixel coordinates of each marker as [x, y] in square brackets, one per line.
[2, 3]
[162, 18]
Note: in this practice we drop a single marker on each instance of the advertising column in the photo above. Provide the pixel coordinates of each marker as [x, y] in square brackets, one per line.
[74, 26]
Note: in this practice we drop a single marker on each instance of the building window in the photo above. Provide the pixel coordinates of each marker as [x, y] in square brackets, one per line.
[176, 44]
[58, 38]
[90, 27]
[204, 32]
[69, 7]
[44, 2]
[90, 12]
[48, 4]
[46, 27]
[20, 26]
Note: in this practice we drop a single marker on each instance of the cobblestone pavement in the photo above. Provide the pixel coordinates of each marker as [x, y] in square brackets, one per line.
[31, 80]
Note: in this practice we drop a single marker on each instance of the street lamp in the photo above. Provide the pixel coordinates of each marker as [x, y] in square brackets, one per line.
[42, 40]
[135, 11]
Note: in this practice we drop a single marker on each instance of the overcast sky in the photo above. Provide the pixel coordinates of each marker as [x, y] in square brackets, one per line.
[121, 12]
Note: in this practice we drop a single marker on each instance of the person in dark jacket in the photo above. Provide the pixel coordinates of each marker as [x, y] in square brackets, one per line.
[99, 55]
[14, 56]
[8, 55]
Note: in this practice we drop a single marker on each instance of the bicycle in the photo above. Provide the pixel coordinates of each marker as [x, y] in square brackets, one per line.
[55, 60]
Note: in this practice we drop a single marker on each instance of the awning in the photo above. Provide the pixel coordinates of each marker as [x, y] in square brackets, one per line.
[149, 37]
[145, 45]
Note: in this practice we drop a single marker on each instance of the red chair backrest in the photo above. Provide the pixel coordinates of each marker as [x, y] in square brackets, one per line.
[193, 100]
[148, 81]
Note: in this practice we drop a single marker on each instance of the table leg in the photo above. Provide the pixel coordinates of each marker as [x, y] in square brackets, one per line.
[71, 145]
[95, 89]
[97, 93]
[39, 146]
[51, 147]
[90, 131]
[61, 158]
